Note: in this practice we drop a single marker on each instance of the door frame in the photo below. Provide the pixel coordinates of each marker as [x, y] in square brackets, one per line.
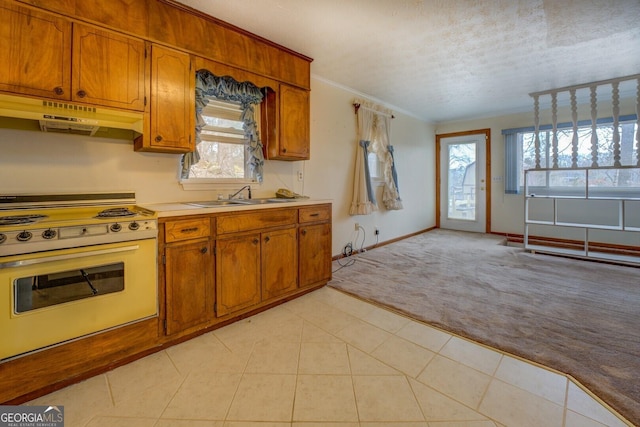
[487, 134]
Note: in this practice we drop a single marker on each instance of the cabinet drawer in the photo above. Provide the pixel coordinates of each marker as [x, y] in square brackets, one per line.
[255, 220]
[186, 229]
[315, 213]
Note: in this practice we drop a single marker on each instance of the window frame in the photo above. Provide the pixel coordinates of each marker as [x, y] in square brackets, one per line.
[514, 167]
[203, 183]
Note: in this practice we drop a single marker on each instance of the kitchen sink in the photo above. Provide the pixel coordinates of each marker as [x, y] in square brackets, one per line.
[236, 202]
[215, 203]
[261, 201]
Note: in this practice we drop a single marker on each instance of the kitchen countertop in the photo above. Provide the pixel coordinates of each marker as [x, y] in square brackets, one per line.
[184, 208]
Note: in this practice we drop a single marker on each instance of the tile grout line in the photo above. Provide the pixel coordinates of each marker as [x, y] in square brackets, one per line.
[566, 402]
[242, 375]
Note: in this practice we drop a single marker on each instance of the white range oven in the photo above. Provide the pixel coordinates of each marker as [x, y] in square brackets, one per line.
[72, 265]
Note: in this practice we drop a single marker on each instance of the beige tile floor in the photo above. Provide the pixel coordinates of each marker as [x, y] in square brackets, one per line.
[327, 359]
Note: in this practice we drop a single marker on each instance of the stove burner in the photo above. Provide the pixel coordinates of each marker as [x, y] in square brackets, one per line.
[115, 213]
[20, 219]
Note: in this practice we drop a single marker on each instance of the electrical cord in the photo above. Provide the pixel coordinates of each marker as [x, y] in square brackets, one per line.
[347, 264]
[364, 237]
[347, 251]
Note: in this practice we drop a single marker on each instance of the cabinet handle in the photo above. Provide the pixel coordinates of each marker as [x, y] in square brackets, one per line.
[266, 239]
[81, 94]
[189, 230]
[158, 138]
[315, 214]
[58, 90]
[284, 149]
[204, 250]
[304, 232]
[256, 241]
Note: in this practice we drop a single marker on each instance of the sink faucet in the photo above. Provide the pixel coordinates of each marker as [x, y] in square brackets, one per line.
[248, 187]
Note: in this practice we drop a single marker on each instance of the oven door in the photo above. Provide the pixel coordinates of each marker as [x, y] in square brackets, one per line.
[49, 298]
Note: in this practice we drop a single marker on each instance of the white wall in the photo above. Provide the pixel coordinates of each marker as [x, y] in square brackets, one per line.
[34, 162]
[329, 173]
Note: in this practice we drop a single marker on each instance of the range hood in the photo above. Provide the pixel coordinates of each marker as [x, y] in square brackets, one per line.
[18, 112]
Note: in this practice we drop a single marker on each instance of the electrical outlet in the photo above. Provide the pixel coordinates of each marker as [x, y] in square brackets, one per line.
[377, 232]
[300, 176]
[357, 226]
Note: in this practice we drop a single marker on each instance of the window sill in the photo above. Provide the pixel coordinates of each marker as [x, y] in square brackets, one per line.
[200, 184]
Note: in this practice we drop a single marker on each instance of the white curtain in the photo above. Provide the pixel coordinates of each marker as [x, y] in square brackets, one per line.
[374, 135]
[384, 152]
[363, 202]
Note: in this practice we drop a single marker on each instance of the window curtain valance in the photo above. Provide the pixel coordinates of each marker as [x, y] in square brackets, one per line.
[227, 89]
[374, 135]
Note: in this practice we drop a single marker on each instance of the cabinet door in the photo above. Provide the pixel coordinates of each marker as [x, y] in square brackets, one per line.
[237, 273]
[35, 52]
[189, 285]
[172, 102]
[294, 123]
[315, 253]
[109, 69]
[279, 262]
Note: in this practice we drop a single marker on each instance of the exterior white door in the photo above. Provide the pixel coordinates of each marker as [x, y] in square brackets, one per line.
[463, 183]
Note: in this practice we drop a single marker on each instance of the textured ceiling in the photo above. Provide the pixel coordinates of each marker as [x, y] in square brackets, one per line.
[443, 60]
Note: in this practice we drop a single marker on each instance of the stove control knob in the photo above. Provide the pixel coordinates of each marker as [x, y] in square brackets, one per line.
[115, 227]
[3, 237]
[24, 236]
[49, 234]
[134, 226]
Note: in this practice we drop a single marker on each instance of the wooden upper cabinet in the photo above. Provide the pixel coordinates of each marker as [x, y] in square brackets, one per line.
[48, 56]
[172, 109]
[109, 69]
[127, 15]
[174, 24]
[35, 52]
[285, 123]
[294, 122]
[66, 7]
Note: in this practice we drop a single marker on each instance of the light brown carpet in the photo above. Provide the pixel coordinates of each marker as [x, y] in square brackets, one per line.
[579, 317]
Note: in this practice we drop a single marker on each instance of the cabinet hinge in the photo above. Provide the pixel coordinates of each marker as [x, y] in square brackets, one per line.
[215, 307]
[164, 260]
[145, 101]
[165, 325]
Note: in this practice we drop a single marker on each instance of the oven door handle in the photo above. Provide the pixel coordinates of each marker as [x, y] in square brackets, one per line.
[33, 261]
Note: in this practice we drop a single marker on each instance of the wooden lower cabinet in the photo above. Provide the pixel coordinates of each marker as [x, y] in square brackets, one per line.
[254, 268]
[187, 267]
[315, 254]
[189, 290]
[314, 245]
[237, 273]
[279, 262]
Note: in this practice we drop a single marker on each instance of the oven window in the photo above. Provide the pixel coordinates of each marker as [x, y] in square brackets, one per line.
[34, 292]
